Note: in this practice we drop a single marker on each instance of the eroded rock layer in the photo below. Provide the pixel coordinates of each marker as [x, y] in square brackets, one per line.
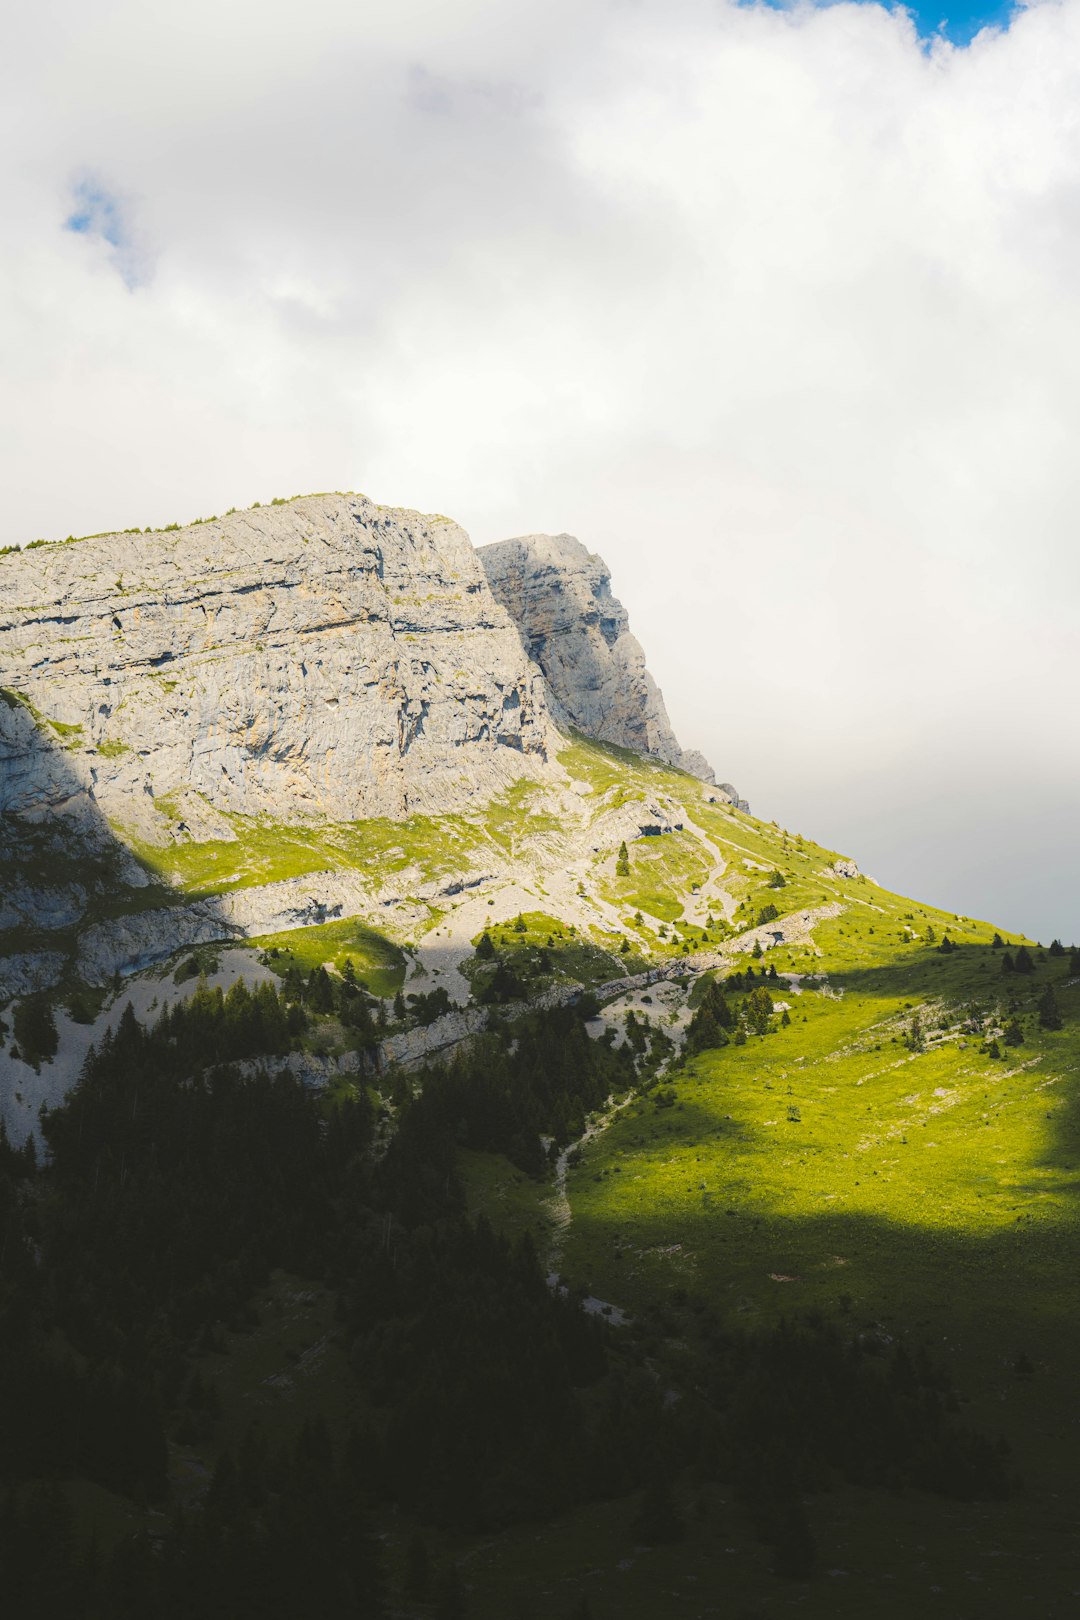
[559, 595]
[323, 659]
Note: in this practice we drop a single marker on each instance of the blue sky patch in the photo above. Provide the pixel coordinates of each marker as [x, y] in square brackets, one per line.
[98, 212]
[960, 20]
[955, 20]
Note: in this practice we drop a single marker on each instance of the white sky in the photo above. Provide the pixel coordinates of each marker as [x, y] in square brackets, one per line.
[778, 311]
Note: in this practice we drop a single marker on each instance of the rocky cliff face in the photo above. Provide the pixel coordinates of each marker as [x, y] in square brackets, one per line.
[326, 658]
[559, 596]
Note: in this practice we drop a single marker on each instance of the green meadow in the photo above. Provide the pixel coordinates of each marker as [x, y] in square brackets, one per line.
[377, 961]
[900, 1181]
[883, 1161]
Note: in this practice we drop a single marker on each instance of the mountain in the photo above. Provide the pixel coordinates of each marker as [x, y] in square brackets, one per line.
[320, 662]
[324, 659]
[489, 1170]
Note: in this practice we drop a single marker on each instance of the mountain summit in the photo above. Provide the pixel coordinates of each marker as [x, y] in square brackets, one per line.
[321, 659]
[559, 596]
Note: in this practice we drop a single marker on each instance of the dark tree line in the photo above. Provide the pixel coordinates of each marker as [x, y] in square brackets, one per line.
[182, 1174]
[540, 1077]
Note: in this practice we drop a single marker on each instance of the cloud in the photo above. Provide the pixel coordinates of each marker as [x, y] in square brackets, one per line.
[97, 213]
[777, 309]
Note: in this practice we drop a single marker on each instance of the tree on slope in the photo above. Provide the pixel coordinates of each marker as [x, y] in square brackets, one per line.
[1049, 1011]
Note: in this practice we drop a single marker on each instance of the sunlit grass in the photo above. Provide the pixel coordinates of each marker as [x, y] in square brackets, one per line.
[268, 852]
[376, 960]
[827, 1165]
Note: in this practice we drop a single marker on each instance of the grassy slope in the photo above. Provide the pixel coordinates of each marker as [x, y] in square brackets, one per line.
[933, 1193]
[376, 961]
[267, 852]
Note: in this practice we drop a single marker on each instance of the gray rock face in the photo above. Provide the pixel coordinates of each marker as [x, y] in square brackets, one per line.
[23, 974]
[559, 596]
[325, 659]
[58, 854]
[36, 779]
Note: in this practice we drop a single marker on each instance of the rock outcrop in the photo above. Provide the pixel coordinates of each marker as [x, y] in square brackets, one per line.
[559, 596]
[322, 659]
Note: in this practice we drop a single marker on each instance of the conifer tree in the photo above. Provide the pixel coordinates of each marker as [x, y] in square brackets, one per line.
[1049, 1011]
[35, 1029]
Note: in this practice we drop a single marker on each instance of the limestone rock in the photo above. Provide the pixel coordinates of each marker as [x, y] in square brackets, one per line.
[323, 659]
[22, 974]
[559, 596]
[694, 761]
[144, 938]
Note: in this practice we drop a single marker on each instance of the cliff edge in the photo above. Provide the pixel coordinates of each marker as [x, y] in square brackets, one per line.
[572, 626]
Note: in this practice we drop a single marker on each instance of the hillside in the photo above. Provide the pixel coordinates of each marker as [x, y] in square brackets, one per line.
[799, 1157]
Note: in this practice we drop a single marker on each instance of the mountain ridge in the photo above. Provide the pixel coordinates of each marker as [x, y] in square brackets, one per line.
[323, 658]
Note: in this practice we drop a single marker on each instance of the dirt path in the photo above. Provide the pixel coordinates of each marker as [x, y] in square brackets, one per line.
[698, 906]
[562, 1214]
[559, 1206]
